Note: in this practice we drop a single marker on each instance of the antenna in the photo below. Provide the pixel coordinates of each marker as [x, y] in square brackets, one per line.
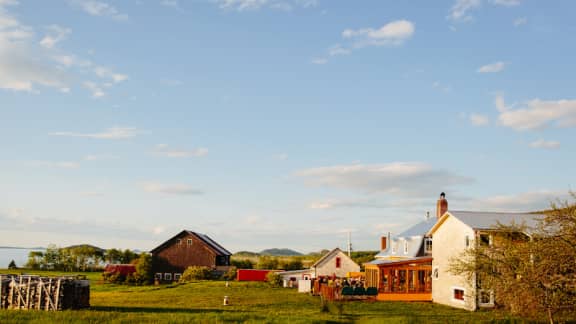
[349, 244]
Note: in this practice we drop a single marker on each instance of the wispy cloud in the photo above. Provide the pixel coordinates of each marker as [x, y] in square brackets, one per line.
[479, 120]
[537, 114]
[56, 165]
[392, 34]
[28, 63]
[520, 21]
[461, 10]
[520, 202]
[399, 178]
[171, 189]
[110, 133]
[545, 144]
[246, 5]
[99, 8]
[492, 68]
[165, 150]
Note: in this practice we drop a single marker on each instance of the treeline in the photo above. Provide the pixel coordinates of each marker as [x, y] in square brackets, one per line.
[77, 258]
[245, 260]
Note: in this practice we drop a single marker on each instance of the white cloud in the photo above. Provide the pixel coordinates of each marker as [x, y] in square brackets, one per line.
[442, 87]
[28, 63]
[545, 144]
[99, 8]
[492, 68]
[165, 150]
[338, 50]
[399, 178]
[56, 165]
[171, 189]
[110, 133]
[507, 3]
[520, 21]
[283, 5]
[55, 35]
[460, 10]
[95, 157]
[392, 34]
[479, 120]
[537, 114]
[319, 61]
[520, 202]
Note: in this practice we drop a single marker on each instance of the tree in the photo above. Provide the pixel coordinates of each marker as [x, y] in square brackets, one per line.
[12, 265]
[294, 264]
[266, 262]
[143, 274]
[274, 279]
[35, 260]
[532, 271]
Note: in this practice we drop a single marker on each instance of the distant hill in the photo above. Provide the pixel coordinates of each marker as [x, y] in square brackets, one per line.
[280, 252]
[246, 254]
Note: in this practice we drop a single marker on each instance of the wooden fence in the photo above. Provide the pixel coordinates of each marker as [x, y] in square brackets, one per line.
[43, 293]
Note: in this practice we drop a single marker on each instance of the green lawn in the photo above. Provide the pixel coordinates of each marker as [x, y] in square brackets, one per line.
[249, 302]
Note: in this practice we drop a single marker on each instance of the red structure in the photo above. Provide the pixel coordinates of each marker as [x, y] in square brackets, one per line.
[252, 274]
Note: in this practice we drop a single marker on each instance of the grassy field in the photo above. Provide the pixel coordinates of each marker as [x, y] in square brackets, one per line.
[249, 302]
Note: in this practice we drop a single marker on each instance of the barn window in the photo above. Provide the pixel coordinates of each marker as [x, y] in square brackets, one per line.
[338, 262]
[428, 245]
[458, 294]
[168, 276]
[179, 241]
[177, 276]
[189, 242]
[158, 276]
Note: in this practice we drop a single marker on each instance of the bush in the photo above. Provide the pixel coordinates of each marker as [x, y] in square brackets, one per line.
[195, 273]
[274, 279]
[230, 274]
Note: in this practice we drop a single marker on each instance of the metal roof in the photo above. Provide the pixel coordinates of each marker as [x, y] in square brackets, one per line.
[419, 229]
[203, 237]
[489, 220]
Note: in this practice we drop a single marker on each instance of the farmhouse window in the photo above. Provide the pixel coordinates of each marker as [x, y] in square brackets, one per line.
[405, 247]
[486, 298]
[435, 273]
[168, 276]
[467, 241]
[485, 239]
[189, 242]
[428, 245]
[459, 294]
[338, 262]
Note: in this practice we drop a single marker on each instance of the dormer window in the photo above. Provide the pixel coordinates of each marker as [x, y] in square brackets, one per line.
[428, 245]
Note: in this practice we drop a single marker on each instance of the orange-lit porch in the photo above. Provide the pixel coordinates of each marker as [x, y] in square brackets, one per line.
[401, 280]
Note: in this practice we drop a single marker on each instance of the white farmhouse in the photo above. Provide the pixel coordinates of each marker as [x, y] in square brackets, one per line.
[455, 232]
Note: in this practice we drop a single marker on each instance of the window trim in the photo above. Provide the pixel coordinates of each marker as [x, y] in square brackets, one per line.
[454, 299]
[158, 276]
[189, 242]
[168, 276]
[426, 241]
[490, 303]
[178, 241]
[177, 276]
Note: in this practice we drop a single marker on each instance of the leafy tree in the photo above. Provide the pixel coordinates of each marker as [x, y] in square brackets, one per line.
[242, 264]
[195, 273]
[35, 260]
[274, 279]
[294, 264]
[113, 256]
[12, 265]
[530, 270]
[143, 274]
[267, 262]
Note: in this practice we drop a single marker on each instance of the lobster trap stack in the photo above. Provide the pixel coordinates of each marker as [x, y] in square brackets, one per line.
[43, 293]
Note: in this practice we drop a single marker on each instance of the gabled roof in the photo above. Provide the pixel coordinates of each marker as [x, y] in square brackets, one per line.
[202, 237]
[328, 256]
[489, 220]
[419, 229]
[413, 236]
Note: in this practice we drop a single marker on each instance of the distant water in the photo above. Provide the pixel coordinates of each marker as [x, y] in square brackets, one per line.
[20, 256]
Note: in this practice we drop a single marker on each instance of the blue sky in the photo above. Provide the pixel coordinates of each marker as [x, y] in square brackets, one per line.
[277, 123]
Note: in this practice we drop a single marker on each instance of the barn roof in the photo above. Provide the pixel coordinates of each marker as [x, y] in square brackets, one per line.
[202, 237]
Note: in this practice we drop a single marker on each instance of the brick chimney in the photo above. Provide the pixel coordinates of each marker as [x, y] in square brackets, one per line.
[441, 206]
[383, 242]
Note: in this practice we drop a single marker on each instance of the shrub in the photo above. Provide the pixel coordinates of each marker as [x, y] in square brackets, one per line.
[230, 274]
[274, 279]
[195, 273]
